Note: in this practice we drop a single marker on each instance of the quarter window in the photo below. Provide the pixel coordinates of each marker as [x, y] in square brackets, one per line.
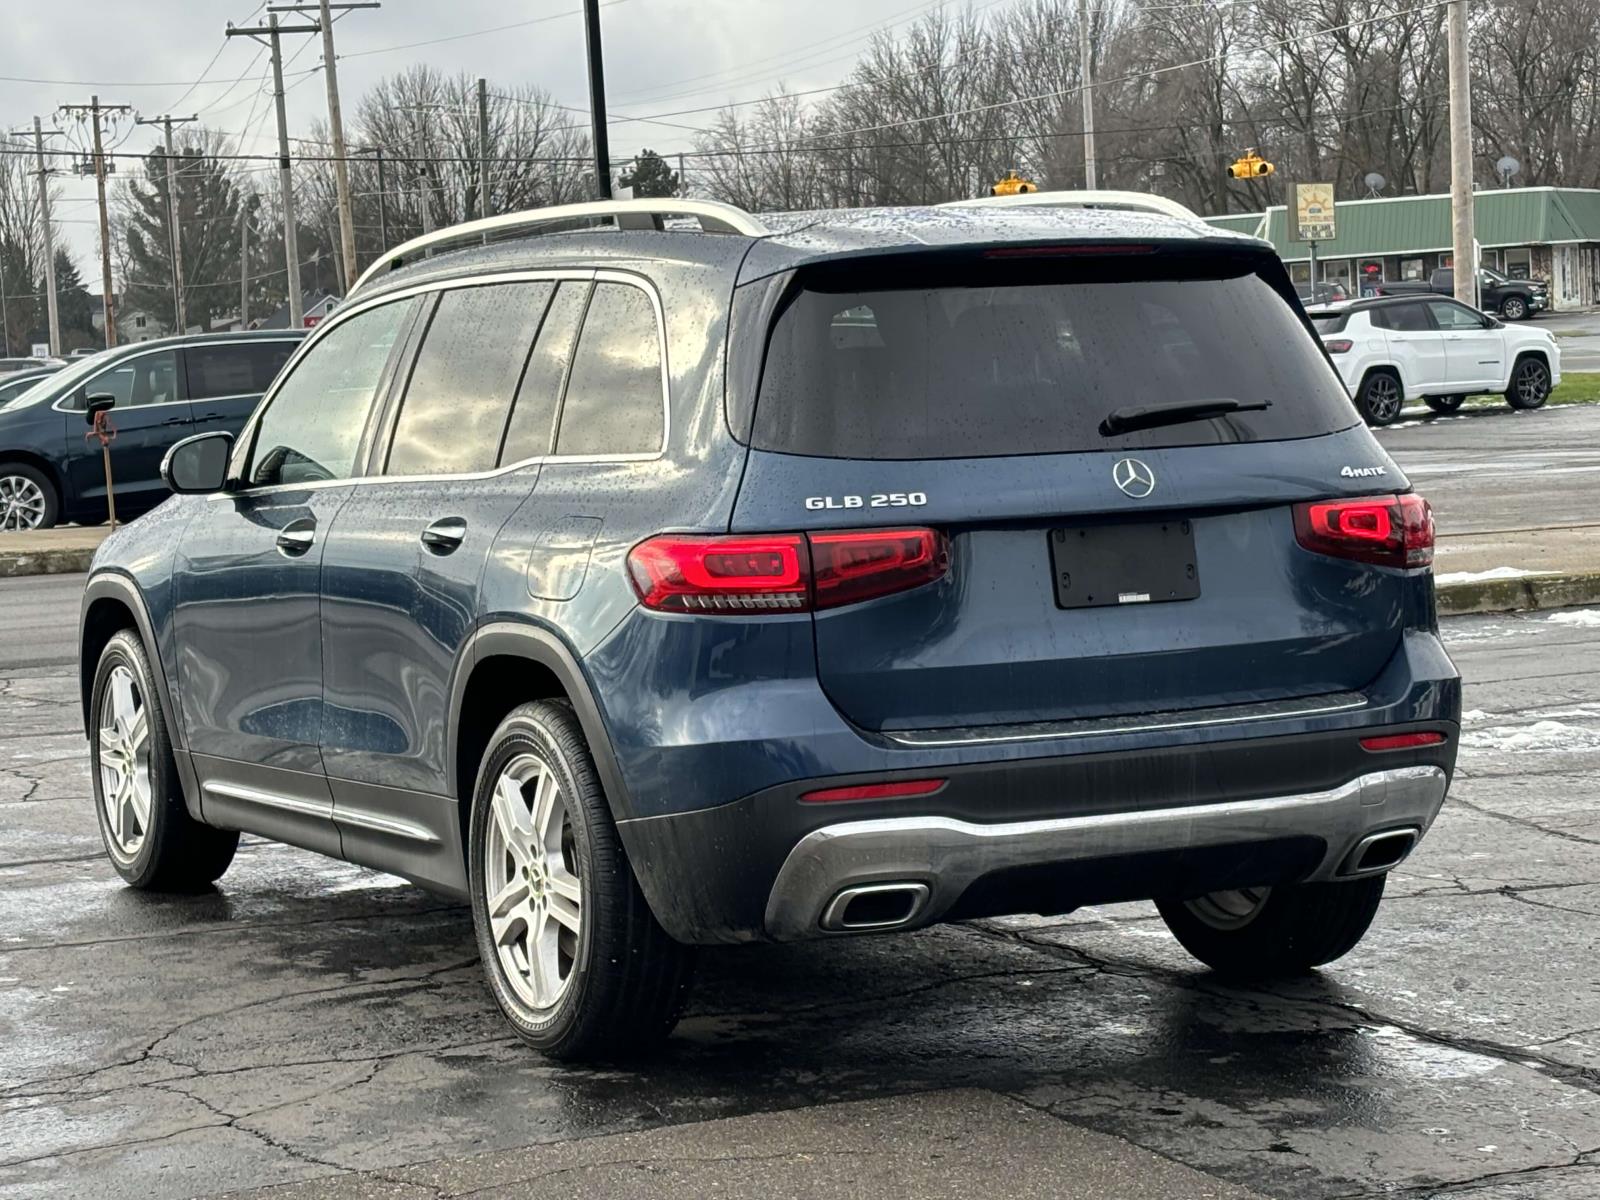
[533, 417]
[466, 374]
[311, 428]
[234, 368]
[613, 403]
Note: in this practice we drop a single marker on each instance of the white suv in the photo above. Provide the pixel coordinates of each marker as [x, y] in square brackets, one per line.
[1435, 349]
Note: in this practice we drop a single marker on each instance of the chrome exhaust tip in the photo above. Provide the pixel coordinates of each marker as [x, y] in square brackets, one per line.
[875, 906]
[1379, 852]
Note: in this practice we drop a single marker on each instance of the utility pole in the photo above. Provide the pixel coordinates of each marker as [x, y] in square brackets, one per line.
[1086, 94]
[341, 171]
[383, 200]
[291, 240]
[180, 315]
[597, 100]
[96, 110]
[483, 147]
[43, 175]
[244, 271]
[1461, 221]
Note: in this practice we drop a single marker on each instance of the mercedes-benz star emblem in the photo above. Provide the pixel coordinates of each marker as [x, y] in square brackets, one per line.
[1134, 478]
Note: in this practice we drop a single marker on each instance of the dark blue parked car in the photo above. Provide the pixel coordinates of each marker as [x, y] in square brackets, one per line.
[164, 390]
[789, 578]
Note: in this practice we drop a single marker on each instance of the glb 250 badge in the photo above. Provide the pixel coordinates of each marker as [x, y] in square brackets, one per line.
[875, 500]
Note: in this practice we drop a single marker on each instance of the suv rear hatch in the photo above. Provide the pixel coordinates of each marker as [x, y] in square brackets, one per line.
[1113, 439]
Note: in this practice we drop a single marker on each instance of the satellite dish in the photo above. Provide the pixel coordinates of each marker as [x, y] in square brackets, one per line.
[1375, 183]
[1508, 166]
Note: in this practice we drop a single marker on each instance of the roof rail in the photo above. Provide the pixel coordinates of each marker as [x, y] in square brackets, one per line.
[1135, 201]
[629, 214]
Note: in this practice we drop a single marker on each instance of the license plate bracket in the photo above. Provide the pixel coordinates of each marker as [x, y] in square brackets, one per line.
[1100, 566]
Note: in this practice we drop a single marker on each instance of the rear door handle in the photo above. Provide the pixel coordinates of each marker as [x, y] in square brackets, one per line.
[297, 537]
[444, 535]
[176, 421]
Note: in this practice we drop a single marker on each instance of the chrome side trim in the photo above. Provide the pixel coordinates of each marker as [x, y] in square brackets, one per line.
[250, 795]
[390, 825]
[948, 855]
[1198, 718]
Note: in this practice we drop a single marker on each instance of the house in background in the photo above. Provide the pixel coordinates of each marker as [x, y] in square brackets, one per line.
[1527, 233]
[133, 324]
[313, 307]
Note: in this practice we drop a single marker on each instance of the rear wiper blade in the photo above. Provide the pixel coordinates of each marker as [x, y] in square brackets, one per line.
[1147, 416]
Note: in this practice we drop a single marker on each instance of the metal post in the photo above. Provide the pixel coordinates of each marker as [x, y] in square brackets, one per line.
[1086, 94]
[49, 241]
[1313, 246]
[683, 179]
[1461, 217]
[5, 305]
[244, 271]
[383, 202]
[484, 209]
[597, 100]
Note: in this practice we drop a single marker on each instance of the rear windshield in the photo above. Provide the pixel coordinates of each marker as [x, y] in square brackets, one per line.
[1328, 322]
[1034, 367]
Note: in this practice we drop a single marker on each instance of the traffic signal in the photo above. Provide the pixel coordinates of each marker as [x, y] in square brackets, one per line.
[1013, 185]
[1250, 166]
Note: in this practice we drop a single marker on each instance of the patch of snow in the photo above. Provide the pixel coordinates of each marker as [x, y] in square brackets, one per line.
[1541, 735]
[1481, 576]
[1475, 714]
[1587, 618]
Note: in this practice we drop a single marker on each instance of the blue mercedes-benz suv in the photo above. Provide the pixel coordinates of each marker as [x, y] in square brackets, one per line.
[652, 574]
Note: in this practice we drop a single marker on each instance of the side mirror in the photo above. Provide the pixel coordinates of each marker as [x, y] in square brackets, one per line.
[99, 403]
[198, 464]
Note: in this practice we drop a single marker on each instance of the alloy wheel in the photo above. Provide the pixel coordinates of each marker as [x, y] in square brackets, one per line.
[1514, 310]
[535, 899]
[1533, 384]
[21, 503]
[1231, 909]
[1383, 398]
[125, 782]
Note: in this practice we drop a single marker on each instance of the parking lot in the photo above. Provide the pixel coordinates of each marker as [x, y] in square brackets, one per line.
[309, 1019]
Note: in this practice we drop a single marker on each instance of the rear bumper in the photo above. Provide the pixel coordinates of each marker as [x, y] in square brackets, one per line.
[936, 859]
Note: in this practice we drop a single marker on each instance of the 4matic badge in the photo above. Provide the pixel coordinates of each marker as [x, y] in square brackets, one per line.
[1362, 472]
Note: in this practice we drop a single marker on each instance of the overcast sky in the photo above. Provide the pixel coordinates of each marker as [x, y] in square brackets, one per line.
[660, 55]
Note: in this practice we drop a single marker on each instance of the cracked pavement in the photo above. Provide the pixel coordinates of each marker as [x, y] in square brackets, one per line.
[313, 1029]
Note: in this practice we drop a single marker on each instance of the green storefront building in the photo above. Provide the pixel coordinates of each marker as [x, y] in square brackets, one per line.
[1528, 233]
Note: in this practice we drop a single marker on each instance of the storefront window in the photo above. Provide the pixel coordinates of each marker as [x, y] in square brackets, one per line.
[1412, 268]
[1519, 263]
[1337, 271]
[1299, 272]
[1490, 259]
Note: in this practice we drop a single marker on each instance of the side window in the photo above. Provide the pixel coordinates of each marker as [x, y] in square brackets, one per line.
[533, 417]
[234, 368]
[137, 381]
[312, 426]
[1402, 318]
[613, 400]
[1454, 316]
[465, 377]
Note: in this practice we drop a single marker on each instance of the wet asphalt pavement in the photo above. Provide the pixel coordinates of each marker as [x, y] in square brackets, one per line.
[315, 1029]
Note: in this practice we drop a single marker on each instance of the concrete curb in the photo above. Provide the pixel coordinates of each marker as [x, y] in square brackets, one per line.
[1563, 590]
[59, 560]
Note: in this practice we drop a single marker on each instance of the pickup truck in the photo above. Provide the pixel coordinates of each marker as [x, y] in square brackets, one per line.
[1513, 299]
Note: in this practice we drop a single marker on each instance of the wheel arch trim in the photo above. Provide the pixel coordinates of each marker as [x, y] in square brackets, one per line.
[515, 639]
[112, 586]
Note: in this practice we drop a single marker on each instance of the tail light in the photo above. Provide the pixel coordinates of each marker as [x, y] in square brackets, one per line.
[1391, 531]
[783, 572]
[1338, 345]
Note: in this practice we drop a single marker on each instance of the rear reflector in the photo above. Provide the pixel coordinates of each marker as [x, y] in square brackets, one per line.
[783, 572]
[1391, 531]
[875, 791]
[1401, 741]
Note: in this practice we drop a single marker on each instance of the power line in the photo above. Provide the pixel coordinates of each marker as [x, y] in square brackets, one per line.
[456, 37]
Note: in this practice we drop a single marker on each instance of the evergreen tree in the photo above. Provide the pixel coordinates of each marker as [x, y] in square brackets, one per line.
[73, 307]
[650, 176]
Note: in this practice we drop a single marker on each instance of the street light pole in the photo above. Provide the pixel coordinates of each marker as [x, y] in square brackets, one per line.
[597, 100]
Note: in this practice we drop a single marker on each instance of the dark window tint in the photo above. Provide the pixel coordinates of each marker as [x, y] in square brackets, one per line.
[613, 401]
[311, 428]
[1402, 318]
[466, 374]
[234, 369]
[533, 417]
[1328, 322]
[1033, 368]
[137, 381]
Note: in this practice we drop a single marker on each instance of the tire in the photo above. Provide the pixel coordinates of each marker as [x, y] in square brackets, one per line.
[1381, 398]
[1514, 308]
[616, 984]
[1444, 404]
[28, 498]
[1530, 384]
[1261, 933]
[153, 842]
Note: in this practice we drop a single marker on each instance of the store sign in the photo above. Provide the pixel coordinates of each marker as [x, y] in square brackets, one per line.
[41, 350]
[1313, 212]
